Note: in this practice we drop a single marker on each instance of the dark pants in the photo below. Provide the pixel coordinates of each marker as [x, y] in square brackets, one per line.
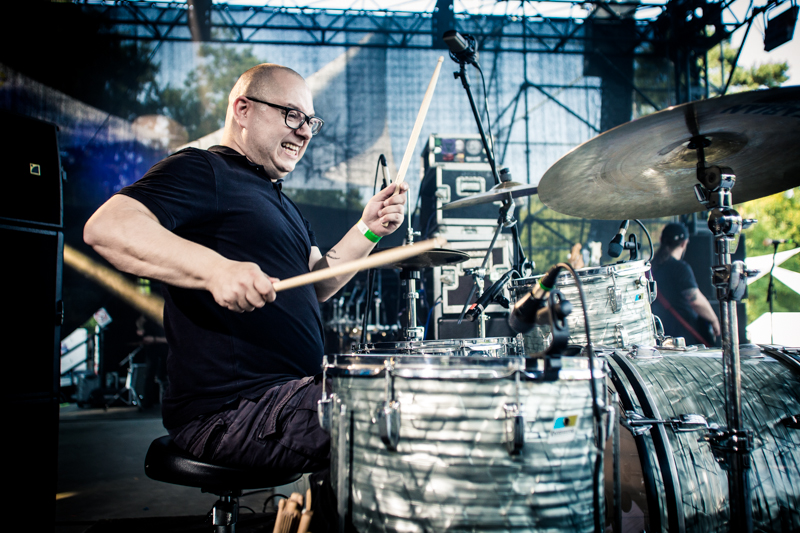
[279, 430]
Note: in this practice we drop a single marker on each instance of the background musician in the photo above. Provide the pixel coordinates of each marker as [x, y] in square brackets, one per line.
[680, 305]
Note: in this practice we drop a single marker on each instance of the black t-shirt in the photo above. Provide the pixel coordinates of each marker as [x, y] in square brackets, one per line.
[673, 277]
[219, 199]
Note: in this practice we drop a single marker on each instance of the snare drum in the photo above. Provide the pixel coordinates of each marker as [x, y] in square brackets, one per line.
[671, 480]
[618, 306]
[483, 347]
[462, 443]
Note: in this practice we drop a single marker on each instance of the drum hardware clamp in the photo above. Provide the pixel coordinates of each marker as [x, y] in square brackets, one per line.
[726, 443]
[387, 415]
[639, 425]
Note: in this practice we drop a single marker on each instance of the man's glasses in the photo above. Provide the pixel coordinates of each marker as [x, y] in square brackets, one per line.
[294, 118]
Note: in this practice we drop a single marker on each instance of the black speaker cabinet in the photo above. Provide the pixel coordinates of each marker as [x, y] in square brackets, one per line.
[31, 270]
[30, 191]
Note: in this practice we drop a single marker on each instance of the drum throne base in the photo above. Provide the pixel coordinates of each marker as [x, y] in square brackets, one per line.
[166, 462]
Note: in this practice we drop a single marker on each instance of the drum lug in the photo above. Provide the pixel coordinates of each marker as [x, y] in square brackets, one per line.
[622, 335]
[514, 428]
[388, 414]
[324, 408]
[388, 420]
[325, 405]
[615, 299]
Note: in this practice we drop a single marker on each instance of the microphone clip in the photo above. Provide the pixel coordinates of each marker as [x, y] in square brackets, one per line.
[463, 47]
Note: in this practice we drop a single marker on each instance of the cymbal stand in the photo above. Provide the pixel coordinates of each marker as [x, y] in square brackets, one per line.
[409, 278]
[731, 445]
[506, 219]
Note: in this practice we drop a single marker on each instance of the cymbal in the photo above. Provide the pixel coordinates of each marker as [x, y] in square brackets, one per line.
[645, 169]
[431, 258]
[495, 194]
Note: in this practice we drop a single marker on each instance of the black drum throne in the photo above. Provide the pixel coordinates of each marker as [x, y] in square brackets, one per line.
[166, 462]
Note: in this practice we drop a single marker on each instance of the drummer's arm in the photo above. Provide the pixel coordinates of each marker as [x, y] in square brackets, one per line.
[383, 208]
[700, 304]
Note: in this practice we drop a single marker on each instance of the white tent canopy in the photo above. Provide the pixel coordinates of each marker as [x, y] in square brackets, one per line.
[763, 263]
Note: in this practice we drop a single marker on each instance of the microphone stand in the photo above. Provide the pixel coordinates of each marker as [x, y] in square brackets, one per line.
[519, 255]
[771, 294]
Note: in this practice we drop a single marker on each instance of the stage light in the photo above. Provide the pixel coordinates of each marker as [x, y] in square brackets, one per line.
[780, 29]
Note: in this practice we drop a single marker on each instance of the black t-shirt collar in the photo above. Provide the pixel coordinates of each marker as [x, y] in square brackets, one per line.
[227, 150]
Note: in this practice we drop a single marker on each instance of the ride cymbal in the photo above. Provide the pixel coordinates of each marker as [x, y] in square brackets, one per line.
[645, 168]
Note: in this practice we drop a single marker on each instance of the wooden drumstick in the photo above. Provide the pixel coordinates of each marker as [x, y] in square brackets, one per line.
[386, 257]
[412, 142]
[423, 110]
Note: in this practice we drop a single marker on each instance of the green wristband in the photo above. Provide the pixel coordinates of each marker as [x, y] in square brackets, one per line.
[364, 229]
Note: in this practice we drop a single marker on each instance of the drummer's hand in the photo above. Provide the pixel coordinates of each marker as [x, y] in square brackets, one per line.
[717, 330]
[240, 286]
[383, 208]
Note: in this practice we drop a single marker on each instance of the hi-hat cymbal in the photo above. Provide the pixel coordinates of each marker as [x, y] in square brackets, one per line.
[431, 258]
[495, 194]
[645, 168]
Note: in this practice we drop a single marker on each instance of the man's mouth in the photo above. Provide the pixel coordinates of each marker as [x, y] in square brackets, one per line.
[291, 148]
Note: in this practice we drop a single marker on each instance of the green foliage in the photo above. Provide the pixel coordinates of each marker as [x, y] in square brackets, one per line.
[201, 103]
[744, 79]
[547, 235]
[778, 218]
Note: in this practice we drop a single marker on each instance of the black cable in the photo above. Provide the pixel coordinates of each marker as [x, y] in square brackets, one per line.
[648, 238]
[595, 405]
[486, 110]
[371, 271]
[248, 508]
[276, 495]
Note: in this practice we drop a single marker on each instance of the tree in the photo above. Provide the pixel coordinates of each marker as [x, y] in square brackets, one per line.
[201, 103]
[744, 79]
[778, 217]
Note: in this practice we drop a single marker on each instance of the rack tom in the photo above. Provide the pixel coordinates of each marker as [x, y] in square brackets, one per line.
[618, 301]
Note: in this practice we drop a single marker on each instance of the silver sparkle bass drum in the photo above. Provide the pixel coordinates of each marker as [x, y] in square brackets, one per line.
[463, 443]
[671, 478]
[617, 301]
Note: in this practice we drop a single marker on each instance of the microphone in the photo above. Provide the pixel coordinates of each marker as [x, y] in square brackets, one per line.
[488, 296]
[615, 247]
[384, 170]
[772, 242]
[523, 316]
[462, 47]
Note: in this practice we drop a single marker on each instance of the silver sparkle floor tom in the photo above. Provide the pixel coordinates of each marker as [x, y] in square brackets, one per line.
[476, 347]
[427, 443]
[618, 306]
[671, 480]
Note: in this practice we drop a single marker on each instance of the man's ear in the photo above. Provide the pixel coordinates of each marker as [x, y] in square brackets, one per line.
[242, 108]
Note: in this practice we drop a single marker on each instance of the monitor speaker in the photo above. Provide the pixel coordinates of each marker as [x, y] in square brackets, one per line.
[30, 192]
